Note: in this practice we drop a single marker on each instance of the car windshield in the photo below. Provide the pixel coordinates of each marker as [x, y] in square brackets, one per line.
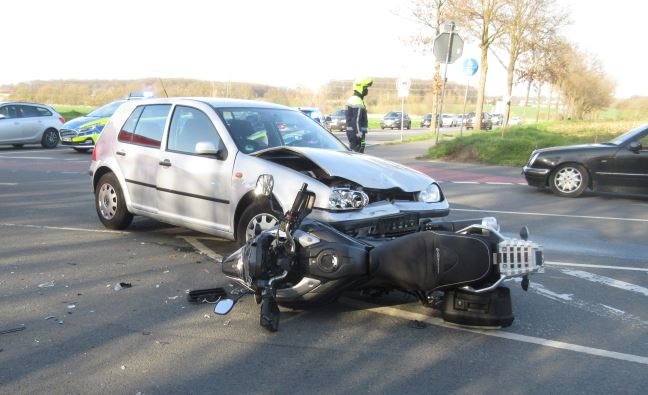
[257, 129]
[627, 135]
[392, 115]
[107, 110]
[340, 113]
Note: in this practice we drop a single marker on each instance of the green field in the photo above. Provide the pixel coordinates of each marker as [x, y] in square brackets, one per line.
[71, 112]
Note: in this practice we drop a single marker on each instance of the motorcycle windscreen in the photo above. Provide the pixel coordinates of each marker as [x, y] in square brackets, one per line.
[426, 261]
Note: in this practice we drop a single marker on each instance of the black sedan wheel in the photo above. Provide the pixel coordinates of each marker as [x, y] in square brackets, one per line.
[569, 180]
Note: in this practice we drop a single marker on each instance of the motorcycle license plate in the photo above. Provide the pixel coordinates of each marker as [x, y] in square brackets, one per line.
[398, 224]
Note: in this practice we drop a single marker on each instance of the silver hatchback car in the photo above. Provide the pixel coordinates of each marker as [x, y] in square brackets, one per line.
[194, 162]
[29, 123]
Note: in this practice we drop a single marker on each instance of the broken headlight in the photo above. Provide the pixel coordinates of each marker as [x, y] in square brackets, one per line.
[347, 199]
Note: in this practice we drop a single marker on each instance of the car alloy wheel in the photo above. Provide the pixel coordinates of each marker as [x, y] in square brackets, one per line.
[265, 222]
[50, 139]
[259, 214]
[569, 180]
[110, 203]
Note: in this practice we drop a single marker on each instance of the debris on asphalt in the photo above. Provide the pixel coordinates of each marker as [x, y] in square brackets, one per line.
[46, 285]
[172, 297]
[50, 317]
[123, 367]
[417, 324]
[120, 286]
[11, 330]
[227, 323]
[146, 333]
[71, 306]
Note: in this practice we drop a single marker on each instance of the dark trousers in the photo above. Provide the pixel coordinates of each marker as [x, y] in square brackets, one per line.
[356, 143]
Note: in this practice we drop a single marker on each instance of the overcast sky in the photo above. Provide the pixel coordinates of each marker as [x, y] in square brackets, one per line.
[279, 42]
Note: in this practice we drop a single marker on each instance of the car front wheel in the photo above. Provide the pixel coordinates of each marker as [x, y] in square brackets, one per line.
[258, 214]
[569, 180]
[50, 138]
[110, 203]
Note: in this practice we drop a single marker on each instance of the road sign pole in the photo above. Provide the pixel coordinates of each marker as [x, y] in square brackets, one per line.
[445, 78]
[463, 114]
[402, 115]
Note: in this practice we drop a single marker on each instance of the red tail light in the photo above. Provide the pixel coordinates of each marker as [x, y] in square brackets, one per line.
[95, 152]
[62, 119]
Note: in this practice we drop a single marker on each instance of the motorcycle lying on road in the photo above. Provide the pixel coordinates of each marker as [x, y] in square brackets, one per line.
[459, 265]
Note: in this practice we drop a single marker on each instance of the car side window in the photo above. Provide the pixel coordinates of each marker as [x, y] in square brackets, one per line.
[644, 143]
[27, 111]
[190, 126]
[146, 126]
[42, 112]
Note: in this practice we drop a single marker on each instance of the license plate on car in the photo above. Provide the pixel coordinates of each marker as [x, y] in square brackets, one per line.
[66, 139]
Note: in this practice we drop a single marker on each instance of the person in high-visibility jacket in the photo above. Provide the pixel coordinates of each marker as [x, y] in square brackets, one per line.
[356, 114]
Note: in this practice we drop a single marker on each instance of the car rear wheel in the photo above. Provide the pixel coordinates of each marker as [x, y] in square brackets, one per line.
[258, 213]
[569, 180]
[110, 203]
[50, 138]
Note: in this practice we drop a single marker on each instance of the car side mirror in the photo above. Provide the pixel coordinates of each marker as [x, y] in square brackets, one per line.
[635, 146]
[208, 148]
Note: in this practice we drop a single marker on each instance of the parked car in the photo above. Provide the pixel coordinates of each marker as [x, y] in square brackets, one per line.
[336, 121]
[448, 120]
[29, 123]
[497, 118]
[515, 121]
[81, 133]
[486, 123]
[194, 162]
[312, 112]
[426, 121]
[392, 120]
[620, 165]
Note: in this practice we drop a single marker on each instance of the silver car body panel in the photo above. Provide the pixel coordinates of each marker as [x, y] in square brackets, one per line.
[208, 202]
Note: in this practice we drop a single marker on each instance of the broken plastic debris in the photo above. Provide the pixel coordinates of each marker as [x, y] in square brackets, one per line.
[71, 306]
[157, 285]
[119, 286]
[49, 317]
[166, 271]
[11, 330]
[227, 323]
[123, 367]
[46, 285]
[206, 316]
[172, 297]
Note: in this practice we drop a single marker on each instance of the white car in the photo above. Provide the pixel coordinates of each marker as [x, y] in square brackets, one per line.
[29, 123]
[448, 120]
[194, 162]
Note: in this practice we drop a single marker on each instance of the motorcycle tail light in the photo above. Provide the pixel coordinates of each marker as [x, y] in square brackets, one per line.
[519, 257]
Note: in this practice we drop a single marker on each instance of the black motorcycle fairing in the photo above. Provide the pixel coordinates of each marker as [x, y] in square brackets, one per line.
[428, 261]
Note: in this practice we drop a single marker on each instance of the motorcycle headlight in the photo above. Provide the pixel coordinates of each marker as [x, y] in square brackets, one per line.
[347, 199]
[430, 194]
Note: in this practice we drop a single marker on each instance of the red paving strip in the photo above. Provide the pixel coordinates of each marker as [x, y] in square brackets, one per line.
[466, 176]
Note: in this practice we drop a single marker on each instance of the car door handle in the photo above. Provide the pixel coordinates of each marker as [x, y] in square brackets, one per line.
[165, 163]
[121, 153]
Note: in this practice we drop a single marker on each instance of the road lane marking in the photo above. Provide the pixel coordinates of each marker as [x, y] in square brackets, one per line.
[203, 249]
[8, 183]
[636, 269]
[64, 228]
[407, 315]
[551, 215]
[606, 281]
[27, 157]
[464, 182]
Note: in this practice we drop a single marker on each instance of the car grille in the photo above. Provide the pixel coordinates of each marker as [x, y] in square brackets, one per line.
[67, 133]
[377, 195]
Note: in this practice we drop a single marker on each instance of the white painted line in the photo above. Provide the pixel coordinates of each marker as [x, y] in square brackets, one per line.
[202, 248]
[636, 269]
[8, 183]
[27, 157]
[606, 281]
[551, 215]
[64, 228]
[464, 182]
[406, 315]
[499, 183]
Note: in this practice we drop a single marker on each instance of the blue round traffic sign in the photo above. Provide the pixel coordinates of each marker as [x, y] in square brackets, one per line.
[470, 66]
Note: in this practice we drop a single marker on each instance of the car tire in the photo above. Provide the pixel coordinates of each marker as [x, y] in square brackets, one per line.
[81, 149]
[569, 180]
[110, 203]
[259, 212]
[50, 138]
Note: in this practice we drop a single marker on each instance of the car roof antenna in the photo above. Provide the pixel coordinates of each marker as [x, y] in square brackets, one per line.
[163, 88]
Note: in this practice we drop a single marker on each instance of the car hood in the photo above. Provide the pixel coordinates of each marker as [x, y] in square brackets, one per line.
[77, 123]
[574, 148]
[366, 170]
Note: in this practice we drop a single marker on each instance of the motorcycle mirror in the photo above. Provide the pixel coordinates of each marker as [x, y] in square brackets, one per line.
[264, 185]
[524, 233]
[224, 306]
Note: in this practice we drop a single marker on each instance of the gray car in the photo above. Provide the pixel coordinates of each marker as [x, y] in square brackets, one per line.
[29, 123]
[194, 162]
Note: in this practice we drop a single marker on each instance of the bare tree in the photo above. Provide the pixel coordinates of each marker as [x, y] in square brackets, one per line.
[528, 23]
[485, 21]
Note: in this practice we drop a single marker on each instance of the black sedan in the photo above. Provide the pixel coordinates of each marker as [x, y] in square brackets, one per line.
[620, 165]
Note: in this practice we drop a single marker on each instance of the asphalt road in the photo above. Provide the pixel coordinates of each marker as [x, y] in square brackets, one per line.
[581, 328]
